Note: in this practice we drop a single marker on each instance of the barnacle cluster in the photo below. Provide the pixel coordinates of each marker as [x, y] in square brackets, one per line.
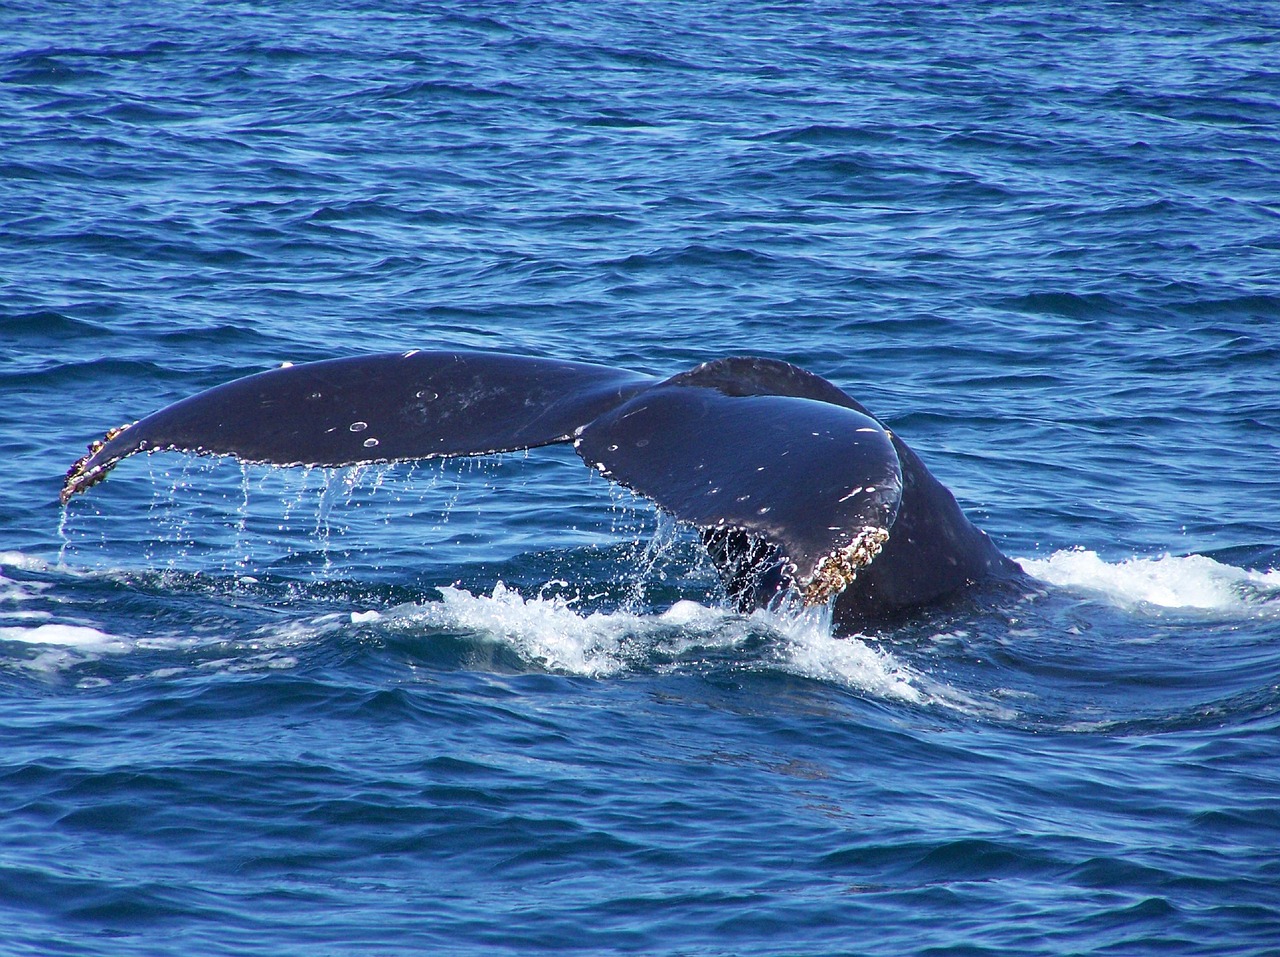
[837, 570]
[78, 479]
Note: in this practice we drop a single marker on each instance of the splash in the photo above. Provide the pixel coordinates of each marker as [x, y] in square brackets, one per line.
[810, 649]
[552, 633]
[1190, 582]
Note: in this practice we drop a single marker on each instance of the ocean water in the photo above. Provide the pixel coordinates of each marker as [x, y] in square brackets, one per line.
[498, 706]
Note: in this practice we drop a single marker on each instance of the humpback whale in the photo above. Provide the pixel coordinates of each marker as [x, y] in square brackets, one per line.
[793, 485]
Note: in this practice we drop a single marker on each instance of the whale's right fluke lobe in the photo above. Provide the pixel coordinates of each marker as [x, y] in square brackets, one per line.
[819, 482]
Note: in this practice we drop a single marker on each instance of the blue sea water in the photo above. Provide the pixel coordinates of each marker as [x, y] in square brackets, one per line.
[498, 706]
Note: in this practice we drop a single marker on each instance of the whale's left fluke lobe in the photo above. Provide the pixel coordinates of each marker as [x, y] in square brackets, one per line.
[380, 408]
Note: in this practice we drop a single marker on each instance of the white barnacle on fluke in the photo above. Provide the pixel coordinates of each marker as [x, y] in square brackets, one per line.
[84, 472]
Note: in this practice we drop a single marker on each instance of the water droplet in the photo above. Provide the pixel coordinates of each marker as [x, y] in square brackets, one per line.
[358, 426]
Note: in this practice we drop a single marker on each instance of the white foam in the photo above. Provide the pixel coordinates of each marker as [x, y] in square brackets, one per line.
[693, 615]
[560, 637]
[62, 646]
[71, 636]
[1194, 582]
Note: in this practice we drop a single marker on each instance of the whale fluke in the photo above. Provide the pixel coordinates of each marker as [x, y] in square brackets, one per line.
[792, 483]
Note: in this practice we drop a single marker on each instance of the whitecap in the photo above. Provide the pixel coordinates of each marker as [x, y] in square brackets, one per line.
[15, 591]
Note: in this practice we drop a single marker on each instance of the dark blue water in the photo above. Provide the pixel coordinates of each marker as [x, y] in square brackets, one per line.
[499, 707]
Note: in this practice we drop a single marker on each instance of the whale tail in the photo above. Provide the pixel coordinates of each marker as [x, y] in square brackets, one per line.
[791, 481]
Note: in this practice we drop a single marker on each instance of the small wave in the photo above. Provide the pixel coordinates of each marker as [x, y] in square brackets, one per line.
[1067, 304]
[40, 636]
[46, 325]
[1190, 582]
[64, 648]
[18, 598]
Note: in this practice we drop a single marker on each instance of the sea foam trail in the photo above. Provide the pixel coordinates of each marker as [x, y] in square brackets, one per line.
[1193, 582]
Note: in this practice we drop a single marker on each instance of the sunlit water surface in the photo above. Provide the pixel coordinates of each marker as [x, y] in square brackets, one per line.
[501, 707]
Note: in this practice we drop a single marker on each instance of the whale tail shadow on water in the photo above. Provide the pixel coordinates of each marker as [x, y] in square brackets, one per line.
[792, 484]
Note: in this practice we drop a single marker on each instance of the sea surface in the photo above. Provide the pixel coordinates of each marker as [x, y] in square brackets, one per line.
[497, 706]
